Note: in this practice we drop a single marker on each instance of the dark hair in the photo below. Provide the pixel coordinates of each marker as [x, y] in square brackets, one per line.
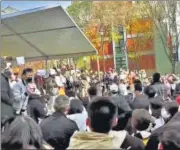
[137, 81]
[70, 93]
[138, 87]
[75, 107]
[27, 70]
[124, 112]
[150, 91]
[156, 77]
[142, 124]
[101, 113]
[171, 107]
[92, 90]
[21, 132]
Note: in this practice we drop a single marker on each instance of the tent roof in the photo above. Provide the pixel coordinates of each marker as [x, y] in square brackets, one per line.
[43, 33]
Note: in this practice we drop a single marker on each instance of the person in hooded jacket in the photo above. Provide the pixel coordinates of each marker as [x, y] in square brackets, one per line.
[36, 109]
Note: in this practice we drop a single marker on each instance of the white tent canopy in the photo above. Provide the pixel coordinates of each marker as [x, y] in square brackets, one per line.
[43, 33]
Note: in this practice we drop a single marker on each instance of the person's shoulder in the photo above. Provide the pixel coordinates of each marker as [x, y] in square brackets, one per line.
[134, 142]
[19, 83]
[71, 122]
[158, 131]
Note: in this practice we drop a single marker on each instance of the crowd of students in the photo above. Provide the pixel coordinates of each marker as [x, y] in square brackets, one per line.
[62, 110]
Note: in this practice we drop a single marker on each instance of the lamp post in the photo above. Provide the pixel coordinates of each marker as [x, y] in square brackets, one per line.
[101, 30]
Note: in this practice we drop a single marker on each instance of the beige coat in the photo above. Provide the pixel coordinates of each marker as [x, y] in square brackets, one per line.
[93, 140]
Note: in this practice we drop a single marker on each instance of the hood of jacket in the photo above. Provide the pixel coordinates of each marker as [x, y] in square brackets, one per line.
[93, 140]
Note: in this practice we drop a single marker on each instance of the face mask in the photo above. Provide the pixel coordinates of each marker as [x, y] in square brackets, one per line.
[29, 80]
[164, 113]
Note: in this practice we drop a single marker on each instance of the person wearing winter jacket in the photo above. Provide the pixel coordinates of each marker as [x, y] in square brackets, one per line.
[57, 129]
[140, 100]
[36, 109]
[102, 116]
[158, 85]
[77, 113]
[6, 94]
[20, 91]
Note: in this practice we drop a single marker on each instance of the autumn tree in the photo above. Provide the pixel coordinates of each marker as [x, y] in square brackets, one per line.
[164, 16]
[90, 15]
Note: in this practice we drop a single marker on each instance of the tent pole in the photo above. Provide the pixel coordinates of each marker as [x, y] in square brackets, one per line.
[97, 60]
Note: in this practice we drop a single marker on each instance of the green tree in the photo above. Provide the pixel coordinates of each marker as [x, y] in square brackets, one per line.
[80, 11]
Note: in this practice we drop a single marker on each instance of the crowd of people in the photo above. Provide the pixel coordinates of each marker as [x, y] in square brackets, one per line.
[65, 109]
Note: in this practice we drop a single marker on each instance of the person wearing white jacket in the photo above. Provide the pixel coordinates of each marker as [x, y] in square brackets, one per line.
[78, 114]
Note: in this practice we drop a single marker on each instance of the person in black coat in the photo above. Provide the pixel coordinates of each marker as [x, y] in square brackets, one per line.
[124, 117]
[155, 137]
[57, 129]
[36, 109]
[6, 96]
[140, 101]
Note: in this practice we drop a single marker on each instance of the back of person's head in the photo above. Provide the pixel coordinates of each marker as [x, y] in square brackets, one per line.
[138, 87]
[156, 105]
[102, 114]
[150, 91]
[70, 93]
[61, 104]
[75, 107]
[92, 91]
[156, 77]
[141, 119]
[27, 70]
[22, 133]
[124, 112]
[137, 81]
